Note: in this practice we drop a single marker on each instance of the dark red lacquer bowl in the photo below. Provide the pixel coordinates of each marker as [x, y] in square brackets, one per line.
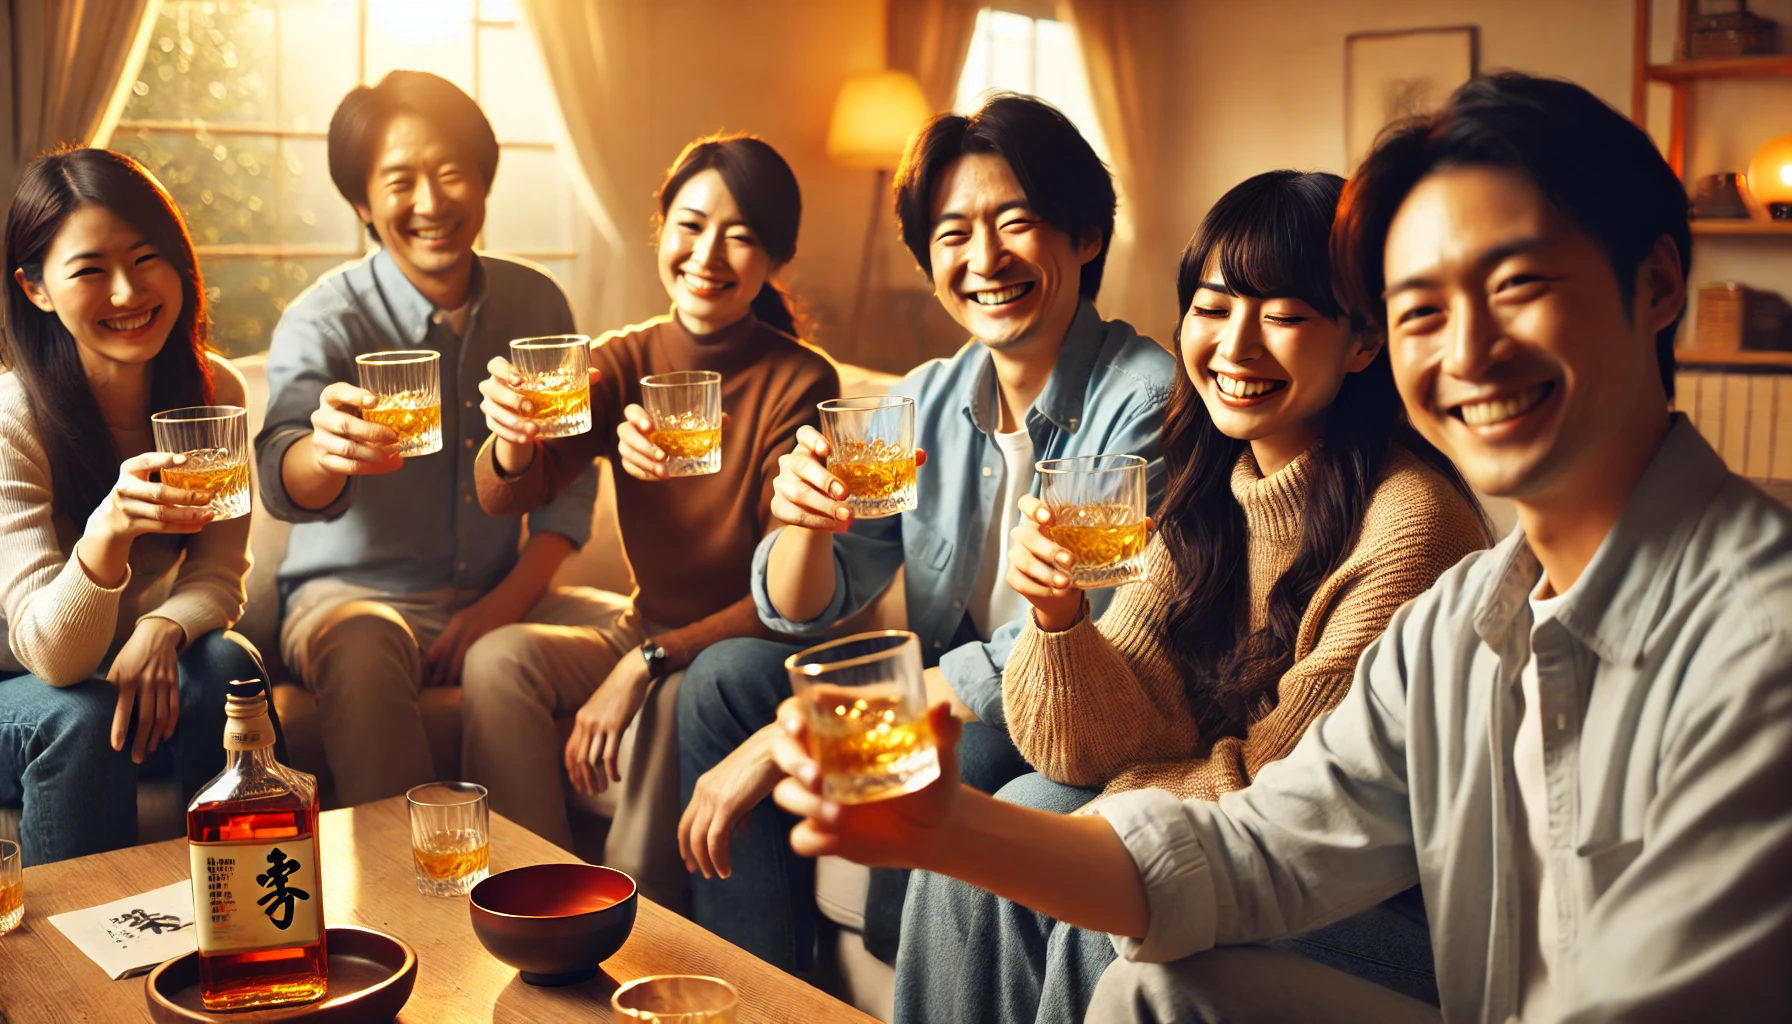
[554, 923]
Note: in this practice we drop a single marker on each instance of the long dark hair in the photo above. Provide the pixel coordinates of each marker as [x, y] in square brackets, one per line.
[83, 458]
[1269, 237]
[769, 198]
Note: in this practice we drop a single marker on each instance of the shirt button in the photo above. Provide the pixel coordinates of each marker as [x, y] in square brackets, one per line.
[937, 645]
[467, 498]
[955, 604]
[468, 442]
[462, 566]
[988, 472]
[469, 405]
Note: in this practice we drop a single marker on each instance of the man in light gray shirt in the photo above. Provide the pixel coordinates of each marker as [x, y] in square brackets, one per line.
[1577, 743]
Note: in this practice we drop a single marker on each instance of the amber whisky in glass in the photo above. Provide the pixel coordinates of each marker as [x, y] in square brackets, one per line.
[257, 885]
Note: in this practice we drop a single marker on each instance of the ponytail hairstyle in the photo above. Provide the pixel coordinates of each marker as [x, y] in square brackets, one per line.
[1269, 236]
[769, 198]
[83, 457]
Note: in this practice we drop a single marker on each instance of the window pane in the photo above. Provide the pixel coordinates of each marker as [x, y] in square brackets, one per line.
[248, 294]
[974, 81]
[1064, 83]
[320, 60]
[513, 86]
[312, 211]
[208, 62]
[500, 10]
[1011, 51]
[531, 206]
[224, 183]
[421, 35]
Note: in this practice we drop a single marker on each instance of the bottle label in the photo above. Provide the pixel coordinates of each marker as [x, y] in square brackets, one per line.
[256, 895]
[248, 733]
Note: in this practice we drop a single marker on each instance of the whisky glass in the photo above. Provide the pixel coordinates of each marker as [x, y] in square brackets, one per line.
[676, 999]
[450, 837]
[871, 449]
[12, 887]
[867, 705]
[556, 381]
[408, 387]
[215, 440]
[686, 409]
[1098, 515]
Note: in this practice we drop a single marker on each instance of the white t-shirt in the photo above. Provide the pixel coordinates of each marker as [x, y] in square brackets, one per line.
[1537, 934]
[993, 601]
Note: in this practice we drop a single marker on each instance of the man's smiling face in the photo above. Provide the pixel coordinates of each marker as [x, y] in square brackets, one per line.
[1513, 345]
[998, 267]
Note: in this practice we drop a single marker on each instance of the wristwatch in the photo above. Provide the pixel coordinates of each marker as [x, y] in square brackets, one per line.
[654, 655]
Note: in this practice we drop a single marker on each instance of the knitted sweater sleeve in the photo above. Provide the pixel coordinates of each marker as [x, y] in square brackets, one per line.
[1085, 703]
[1416, 527]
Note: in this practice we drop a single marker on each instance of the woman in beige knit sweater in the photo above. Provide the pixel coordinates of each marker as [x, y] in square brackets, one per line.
[115, 590]
[1301, 512]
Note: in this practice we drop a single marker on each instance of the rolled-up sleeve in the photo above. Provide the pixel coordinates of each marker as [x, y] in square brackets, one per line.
[569, 515]
[305, 357]
[1155, 828]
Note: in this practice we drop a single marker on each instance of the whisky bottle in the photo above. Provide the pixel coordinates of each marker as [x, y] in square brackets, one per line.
[257, 887]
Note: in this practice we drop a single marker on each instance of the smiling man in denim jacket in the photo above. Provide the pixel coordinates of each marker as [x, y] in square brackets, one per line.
[1010, 213]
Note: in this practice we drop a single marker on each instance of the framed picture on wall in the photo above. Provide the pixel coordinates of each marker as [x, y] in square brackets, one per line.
[1389, 76]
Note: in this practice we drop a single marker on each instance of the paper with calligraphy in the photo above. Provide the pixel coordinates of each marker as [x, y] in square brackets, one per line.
[133, 935]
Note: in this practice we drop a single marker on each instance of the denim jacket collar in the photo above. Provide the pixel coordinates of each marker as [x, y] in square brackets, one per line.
[1620, 595]
[415, 313]
[1062, 400]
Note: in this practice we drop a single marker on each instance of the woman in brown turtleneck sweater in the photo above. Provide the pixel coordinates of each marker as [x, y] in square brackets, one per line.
[729, 211]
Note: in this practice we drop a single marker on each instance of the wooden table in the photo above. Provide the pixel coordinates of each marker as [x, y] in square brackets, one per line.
[368, 881]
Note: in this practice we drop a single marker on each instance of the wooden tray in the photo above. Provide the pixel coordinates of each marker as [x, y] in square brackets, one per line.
[371, 974]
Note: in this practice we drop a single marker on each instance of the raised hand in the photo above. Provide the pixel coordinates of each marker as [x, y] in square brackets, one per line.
[1039, 570]
[345, 444]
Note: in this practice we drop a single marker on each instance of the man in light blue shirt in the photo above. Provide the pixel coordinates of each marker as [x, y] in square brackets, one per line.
[1018, 265]
[394, 578]
[1575, 743]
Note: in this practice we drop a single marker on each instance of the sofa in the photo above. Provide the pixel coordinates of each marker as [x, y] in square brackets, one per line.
[845, 968]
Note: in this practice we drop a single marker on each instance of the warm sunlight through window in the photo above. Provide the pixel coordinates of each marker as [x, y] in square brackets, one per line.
[231, 110]
[1039, 56]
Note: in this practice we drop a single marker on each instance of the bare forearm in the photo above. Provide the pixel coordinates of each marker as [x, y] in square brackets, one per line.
[1026, 856]
[799, 575]
[536, 565]
[308, 484]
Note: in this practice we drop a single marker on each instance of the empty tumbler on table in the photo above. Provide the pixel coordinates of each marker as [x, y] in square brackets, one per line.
[556, 381]
[1098, 514]
[215, 440]
[450, 837]
[408, 386]
[867, 705]
[871, 445]
[686, 409]
[676, 999]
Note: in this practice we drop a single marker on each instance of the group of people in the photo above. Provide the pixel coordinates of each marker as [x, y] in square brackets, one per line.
[1395, 772]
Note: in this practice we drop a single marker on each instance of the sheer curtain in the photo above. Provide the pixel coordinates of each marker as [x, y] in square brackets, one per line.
[599, 61]
[1127, 53]
[69, 62]
[929, 39]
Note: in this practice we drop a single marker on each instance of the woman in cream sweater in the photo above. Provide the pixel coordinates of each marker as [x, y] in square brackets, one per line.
[115, 590]
[1301, 512]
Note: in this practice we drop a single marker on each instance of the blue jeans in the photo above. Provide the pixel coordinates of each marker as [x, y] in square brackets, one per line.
[767, 904]
[970, 955]
[77, 795]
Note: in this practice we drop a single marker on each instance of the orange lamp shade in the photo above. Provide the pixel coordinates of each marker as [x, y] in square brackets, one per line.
[873, 117]
[1770, 177]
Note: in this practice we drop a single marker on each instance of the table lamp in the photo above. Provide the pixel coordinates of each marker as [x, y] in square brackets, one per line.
[874, 115]
[1770, 177]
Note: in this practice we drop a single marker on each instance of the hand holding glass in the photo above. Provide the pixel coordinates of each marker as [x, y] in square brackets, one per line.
[871, 449]
[686, 409]
[408, 387]
[450, 837]
[867, 706]
[556, 381]
[1098, 514]
[215, 440]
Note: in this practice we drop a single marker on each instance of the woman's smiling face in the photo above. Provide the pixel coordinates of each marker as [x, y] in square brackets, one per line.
[1267, 369]
[111, 288]
[711, 263]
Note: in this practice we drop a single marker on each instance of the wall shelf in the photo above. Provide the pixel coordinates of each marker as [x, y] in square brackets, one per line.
[1763, 65]
[1761, 228]
[1690, 359]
